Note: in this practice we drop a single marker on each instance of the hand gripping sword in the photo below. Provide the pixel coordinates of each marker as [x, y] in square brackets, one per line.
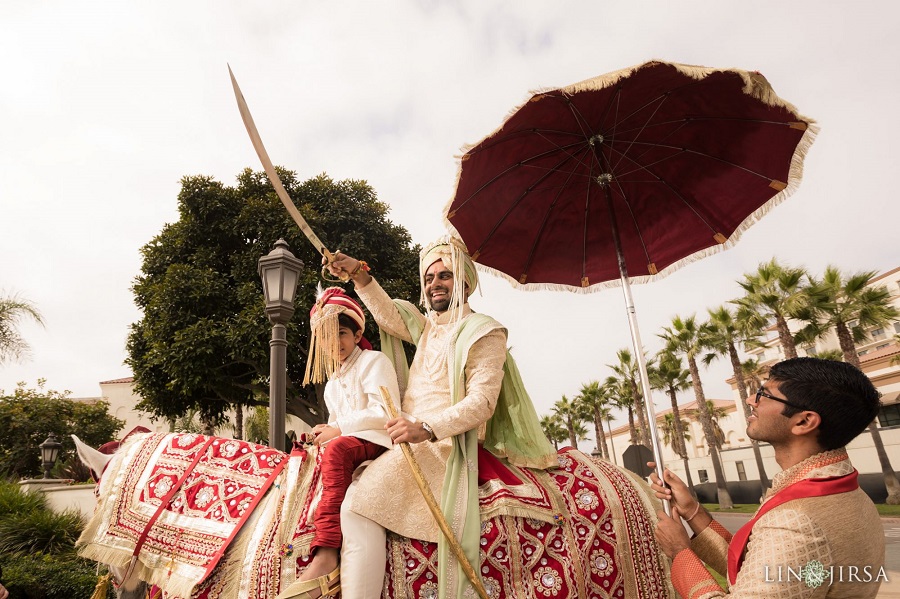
[280, 191]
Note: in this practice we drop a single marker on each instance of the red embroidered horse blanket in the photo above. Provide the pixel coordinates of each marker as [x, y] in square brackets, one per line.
[583, 529]
[178, 502]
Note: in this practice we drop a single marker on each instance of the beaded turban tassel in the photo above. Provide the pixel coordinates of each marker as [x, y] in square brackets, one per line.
[324, 350]
[453, 253]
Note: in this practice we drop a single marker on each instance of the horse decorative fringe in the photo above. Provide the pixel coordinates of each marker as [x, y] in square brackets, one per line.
[206, 517]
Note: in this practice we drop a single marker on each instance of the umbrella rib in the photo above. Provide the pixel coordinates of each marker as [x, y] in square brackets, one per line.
[543, 226]
[703, 154]
[521, 197]
[580, 118]
[634, 221]
[513, 167]
[688, 205]
[650, 146]
[790, 124]
[641, 130]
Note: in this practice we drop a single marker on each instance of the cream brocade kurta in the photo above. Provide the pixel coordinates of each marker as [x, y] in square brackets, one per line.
[839, 530]
[387, 492]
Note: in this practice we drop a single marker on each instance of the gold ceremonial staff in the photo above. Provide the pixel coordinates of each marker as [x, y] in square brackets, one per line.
[280, 191]
[432, 504]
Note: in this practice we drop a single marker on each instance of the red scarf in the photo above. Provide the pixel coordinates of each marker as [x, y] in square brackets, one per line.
[810, 487]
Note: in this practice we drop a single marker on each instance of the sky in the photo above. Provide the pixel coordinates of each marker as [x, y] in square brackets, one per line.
[106, 105]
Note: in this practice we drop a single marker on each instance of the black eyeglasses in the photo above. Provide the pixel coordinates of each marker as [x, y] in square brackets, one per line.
[762, 393]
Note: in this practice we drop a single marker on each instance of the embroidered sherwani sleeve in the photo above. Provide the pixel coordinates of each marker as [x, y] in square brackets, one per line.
[375, 373]
[484, 375]
[384, 311]
[782, 538]
[711, 545]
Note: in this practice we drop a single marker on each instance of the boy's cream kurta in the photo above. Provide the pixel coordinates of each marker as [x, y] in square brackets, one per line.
[353, 397]
[387, 492]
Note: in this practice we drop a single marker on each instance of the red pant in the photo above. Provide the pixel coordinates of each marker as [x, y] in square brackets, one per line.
[342, 455]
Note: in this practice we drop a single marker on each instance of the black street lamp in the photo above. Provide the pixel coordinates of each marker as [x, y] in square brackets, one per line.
[49, 453]
[280, 271]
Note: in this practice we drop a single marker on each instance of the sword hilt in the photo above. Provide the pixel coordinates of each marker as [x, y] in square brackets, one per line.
[326, 276]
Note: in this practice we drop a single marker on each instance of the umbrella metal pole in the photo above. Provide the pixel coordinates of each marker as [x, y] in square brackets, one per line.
[638, 346]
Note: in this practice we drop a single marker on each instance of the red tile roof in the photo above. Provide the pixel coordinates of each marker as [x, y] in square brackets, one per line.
[128, 379]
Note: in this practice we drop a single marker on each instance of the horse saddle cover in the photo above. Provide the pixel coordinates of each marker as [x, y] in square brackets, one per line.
[176, 501]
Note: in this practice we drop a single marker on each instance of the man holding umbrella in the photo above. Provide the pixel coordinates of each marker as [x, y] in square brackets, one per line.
[461, 376]
[816, 533]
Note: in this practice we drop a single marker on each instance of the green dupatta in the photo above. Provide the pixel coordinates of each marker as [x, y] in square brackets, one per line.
[513, 432]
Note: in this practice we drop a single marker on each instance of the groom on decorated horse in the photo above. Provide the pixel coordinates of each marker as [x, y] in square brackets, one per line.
[462, 390]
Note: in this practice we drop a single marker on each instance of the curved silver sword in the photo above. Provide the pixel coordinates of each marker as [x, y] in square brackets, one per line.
[280, 191]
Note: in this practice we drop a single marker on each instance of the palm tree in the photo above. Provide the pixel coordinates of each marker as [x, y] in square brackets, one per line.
[627, 370]
[554, 429]
[687, 338]
[675, 433]
[850, 306]
[596, 403]
[775, 292]
[715, 413]
[725, 333]
[13, 310]
[619, 392]
[753, 371]
[669, 376]
[835, 355]
[572, 418]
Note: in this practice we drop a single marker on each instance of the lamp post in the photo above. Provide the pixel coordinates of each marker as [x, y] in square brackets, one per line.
[49, 452]
[611, 442]
[279, 271]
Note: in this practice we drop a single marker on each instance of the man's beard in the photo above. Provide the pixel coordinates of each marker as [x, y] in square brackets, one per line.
[440, 305]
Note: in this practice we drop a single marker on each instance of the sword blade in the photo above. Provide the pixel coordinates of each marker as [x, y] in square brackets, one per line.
[280, 191]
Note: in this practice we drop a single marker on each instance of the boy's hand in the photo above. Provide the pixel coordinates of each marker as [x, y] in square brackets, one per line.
[325, 433]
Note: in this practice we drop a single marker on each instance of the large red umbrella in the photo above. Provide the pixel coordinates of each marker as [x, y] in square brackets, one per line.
[627, 176]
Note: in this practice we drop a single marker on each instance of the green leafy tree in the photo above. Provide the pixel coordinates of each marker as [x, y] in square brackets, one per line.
[686, 337]
[13, 310]
[28, 416]
[850, 305]
[203, 340]
[668, 375]
[775, 292]
[726, 332]
[595, 401]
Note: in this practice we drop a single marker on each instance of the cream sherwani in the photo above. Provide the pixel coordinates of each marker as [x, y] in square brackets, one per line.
[353, 397]
[840, 530]
[386, 492]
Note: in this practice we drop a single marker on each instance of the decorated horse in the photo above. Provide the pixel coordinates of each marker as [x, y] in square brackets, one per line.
[208, 517]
